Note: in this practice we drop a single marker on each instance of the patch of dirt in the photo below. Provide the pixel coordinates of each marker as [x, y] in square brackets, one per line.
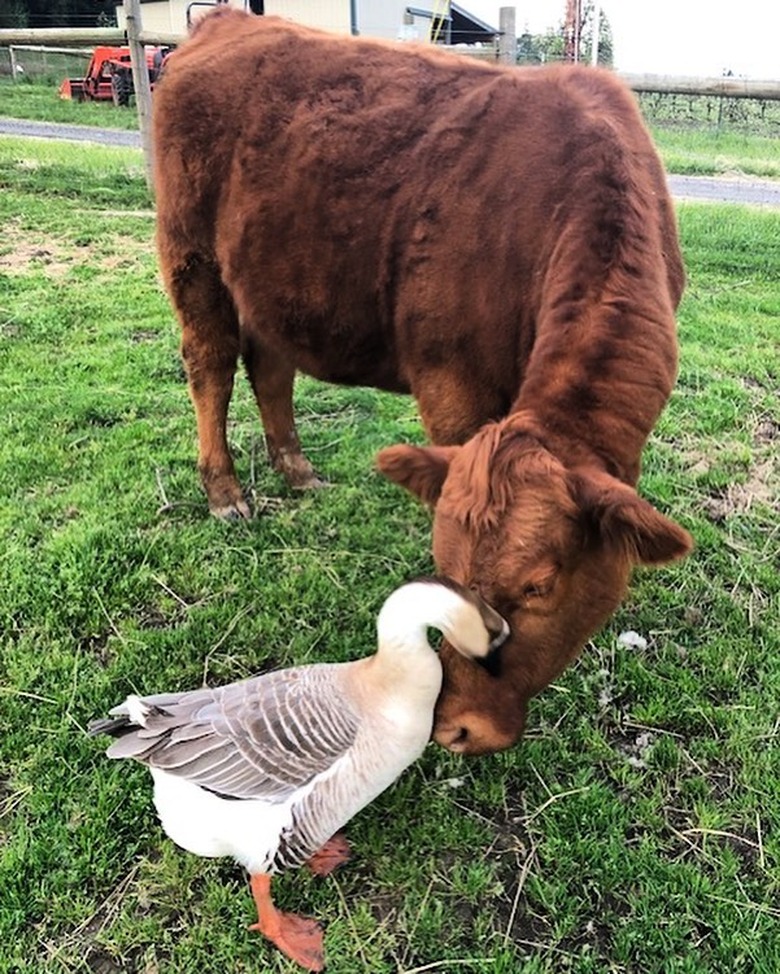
[99, 962]
[689, 840]
[144, 335]
[760, 487]
[121, 252]
[81, 946]
[25, 255]
[26, 250]
[597, 936]
[767, 431]
[97, 646]
[151, 617]
[513, 852]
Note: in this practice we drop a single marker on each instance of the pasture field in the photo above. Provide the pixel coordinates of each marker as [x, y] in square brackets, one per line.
[703, 152]
[636, 829]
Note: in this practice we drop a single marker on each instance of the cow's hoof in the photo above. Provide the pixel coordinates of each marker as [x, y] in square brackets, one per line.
[311, 483]
[238, 510]
[296, 470]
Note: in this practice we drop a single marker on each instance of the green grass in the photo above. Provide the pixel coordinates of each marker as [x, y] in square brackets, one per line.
[91, 176]
[41, 102]
[637, 829]
[699, 152]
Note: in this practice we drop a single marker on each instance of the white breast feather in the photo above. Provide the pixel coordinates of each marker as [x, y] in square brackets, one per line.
[249, 830]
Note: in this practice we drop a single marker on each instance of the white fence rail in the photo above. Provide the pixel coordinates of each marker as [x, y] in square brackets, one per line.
[721, 87]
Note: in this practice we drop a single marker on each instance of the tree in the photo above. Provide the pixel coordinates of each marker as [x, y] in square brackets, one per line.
[14, 15]
[540, 48]
[57, 13]
[551, 45]
[606, 51]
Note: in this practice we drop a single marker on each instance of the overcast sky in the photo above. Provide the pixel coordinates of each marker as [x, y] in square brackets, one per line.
[681, 37]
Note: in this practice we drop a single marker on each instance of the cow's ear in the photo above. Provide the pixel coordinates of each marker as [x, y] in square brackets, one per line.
[422, 470]
[628, 522]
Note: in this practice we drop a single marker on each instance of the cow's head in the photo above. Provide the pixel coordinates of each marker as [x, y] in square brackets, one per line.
[550, 548]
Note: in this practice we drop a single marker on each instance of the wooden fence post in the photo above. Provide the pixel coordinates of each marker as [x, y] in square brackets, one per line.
[143, 90]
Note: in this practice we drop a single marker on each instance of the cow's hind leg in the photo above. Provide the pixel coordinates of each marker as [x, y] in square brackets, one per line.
[272, 377]
[210, 347]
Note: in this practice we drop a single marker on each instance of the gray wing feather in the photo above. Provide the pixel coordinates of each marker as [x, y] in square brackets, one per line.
[262, 738]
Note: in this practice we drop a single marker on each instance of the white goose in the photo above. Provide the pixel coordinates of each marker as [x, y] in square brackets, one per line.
[267, 770]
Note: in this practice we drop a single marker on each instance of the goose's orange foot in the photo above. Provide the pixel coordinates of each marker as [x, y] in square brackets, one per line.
[298, 937]
[335, 851]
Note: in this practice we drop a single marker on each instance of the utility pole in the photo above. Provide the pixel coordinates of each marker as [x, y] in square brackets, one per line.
[594, 47]
[572, 30]
[507, 38]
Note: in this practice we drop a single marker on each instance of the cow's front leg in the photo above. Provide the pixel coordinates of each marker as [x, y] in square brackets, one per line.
[272, 378]
[209, 349]
[452, 406]
[210, 375]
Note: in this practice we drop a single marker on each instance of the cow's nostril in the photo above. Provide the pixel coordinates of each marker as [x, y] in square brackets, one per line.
[453, 736]
[473, 733]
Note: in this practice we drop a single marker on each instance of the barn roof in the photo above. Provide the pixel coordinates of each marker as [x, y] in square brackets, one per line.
[465, 28]
[468, 29]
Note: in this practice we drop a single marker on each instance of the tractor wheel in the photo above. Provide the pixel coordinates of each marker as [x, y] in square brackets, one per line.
[121, 87]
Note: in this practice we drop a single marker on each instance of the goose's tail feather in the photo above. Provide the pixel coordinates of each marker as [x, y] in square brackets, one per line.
[115, 726]
[131, 715]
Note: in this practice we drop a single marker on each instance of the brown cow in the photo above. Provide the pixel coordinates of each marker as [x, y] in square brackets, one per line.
[498, 242]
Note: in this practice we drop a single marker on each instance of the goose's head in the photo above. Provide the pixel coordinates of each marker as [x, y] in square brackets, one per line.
[468, 623]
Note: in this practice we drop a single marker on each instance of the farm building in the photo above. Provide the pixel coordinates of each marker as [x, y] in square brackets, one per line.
[437, 20]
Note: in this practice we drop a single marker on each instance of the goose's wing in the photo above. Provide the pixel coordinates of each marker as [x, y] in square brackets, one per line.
[263, 738]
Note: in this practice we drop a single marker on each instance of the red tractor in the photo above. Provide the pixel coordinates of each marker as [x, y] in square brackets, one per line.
[109, 75]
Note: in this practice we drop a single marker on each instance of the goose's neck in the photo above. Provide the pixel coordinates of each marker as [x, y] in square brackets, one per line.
[408, 613]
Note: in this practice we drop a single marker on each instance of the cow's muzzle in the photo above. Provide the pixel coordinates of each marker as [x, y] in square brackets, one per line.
[474, 733]
[478, 712]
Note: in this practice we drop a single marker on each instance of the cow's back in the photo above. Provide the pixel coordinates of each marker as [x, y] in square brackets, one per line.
[369, 203]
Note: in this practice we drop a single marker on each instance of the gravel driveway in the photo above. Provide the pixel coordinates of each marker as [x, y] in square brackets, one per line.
[73, 133]
[726, 189]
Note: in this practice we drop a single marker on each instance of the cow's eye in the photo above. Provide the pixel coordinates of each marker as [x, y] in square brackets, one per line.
[533, 590]
[540, 586]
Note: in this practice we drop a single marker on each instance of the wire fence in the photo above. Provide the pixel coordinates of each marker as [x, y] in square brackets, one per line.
[43, 64]
[754, 116]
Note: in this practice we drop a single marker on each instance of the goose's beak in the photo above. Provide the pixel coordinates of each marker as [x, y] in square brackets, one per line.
[501, 637]
[492, 661]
